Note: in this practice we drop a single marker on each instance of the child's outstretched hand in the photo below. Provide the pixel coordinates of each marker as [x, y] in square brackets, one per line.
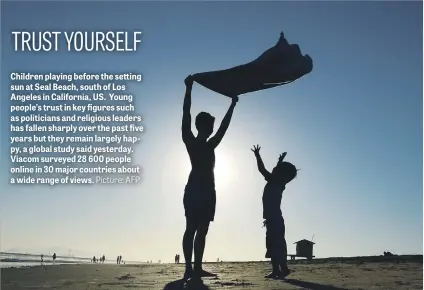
[281, 158]
[256, 149]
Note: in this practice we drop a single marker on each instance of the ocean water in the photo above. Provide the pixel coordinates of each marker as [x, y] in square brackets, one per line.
[8, 260]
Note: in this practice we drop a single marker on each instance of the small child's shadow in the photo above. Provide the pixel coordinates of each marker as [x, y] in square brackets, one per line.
[310, 285]
[186, 285]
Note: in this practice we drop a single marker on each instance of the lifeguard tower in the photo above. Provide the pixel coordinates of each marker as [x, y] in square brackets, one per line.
[304, 249]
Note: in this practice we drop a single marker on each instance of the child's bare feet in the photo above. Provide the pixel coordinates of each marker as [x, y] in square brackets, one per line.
[283, 274]
[272, 275]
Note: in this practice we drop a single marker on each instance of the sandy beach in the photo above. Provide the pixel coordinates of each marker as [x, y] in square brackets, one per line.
[402, 272]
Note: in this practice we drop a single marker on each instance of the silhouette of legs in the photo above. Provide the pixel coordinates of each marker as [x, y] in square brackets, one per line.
[199, 249]
[275, 269]
[188, 239]
[199, 245]
[283, 263]
[277, 248]
[195, 234]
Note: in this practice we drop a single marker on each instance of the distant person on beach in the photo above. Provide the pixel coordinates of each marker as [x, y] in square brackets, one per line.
[54, 257]
[276, 245]
[103, 259]
[42, 258]
[200, 196]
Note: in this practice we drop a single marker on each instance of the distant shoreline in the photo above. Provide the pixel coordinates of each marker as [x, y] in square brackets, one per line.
[368, 259]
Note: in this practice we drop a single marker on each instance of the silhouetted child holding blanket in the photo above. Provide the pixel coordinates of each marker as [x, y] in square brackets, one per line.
[199, 195]
[276, 246]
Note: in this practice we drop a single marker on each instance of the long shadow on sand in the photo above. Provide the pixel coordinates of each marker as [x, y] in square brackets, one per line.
[312, 286]
[190, 285]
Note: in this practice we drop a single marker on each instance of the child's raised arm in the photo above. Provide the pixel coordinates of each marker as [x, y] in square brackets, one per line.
[261, 166]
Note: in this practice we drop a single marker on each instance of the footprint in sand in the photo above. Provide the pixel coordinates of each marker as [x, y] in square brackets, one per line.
[125, 277]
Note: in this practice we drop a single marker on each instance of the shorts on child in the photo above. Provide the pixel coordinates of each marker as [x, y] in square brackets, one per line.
[275, 238]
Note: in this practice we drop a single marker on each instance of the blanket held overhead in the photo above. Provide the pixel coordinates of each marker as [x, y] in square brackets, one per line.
[279, 65]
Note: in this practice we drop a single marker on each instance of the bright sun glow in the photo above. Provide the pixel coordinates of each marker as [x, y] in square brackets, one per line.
[224, 168]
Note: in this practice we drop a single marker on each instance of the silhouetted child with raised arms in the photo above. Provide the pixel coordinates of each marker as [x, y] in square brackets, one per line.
[200, 195]
[276, 246]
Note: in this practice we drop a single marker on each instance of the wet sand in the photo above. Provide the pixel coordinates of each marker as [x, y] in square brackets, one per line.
[403, 272]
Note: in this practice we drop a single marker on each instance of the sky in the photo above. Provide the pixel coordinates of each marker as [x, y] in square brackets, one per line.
[353, 126]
